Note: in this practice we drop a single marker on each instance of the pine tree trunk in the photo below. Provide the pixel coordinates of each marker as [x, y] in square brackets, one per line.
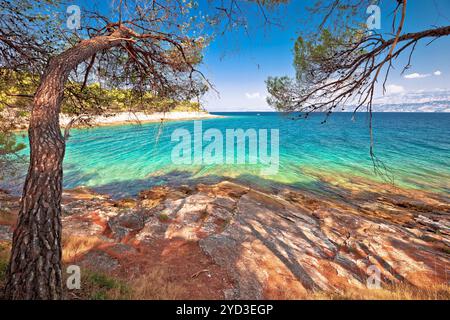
[34, 270]
[35, 265]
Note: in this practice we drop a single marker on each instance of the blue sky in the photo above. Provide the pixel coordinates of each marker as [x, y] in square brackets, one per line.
[238, 63]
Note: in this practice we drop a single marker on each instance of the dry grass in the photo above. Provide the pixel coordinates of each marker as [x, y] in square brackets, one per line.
[153, 285]
[395, 292]
[74, 246]
[99, 286]
[7, 218]
[156, 284]
[94, 285]
[4, 258]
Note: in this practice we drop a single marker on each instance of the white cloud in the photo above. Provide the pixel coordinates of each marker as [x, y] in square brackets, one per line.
[416, 76]
[436, 95]
[253, 95]
[394, 89]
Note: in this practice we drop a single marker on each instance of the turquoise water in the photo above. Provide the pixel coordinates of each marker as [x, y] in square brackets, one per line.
[122, 160]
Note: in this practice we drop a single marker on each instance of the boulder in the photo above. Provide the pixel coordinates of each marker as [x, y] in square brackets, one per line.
[80, 226]
[124, 224]
[97, 260]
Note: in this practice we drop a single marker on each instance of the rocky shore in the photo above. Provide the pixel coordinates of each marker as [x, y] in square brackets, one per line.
[233, 241]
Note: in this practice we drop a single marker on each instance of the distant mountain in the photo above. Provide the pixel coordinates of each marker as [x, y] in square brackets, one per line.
[437, 100]
[434, 106]
[418, 101]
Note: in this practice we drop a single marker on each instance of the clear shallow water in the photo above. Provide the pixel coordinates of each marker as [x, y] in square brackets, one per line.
[122, 160]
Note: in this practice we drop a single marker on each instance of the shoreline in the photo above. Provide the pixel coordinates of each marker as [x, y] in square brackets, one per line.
[124, 118]
[141, 117]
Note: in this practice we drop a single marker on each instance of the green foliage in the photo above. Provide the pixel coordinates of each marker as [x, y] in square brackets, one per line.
[4, 258]
[14, 86]
[163, 217]
[3, 267]
[103, 287]
[154, 68]
[9, 149]
[17, 88]
[35, 28]
[97, 100]
[310, 55]
[9, 144]
[277, 87]
[307, 52]
[318, 59]
[13, 110]
[102, 281]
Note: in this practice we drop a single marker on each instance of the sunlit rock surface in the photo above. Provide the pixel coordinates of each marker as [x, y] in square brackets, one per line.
[282, 244]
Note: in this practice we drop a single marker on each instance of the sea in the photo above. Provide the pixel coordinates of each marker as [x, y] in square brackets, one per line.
[411, 150]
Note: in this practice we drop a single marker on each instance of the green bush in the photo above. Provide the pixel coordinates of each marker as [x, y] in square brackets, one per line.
[104, 287]
[4, 258]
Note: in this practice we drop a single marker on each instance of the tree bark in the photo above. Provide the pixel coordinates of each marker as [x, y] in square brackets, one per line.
[34, 270]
